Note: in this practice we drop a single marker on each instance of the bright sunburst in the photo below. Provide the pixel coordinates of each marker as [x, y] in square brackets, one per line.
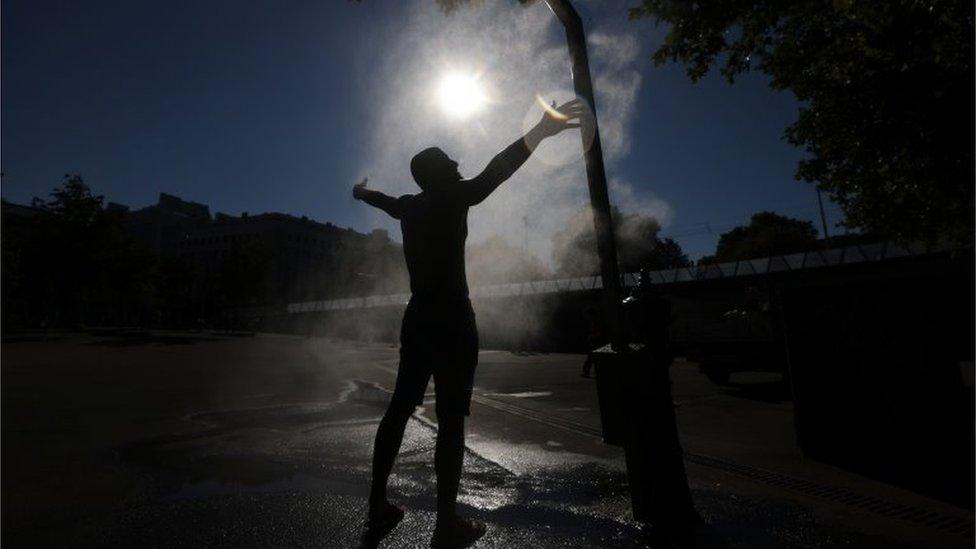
[461, 95]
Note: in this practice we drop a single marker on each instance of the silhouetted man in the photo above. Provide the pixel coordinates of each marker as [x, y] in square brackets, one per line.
[438, 336]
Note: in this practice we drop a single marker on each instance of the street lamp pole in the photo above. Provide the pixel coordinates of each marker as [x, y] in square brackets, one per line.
[644, 422]
[823, 218]
[595, 174]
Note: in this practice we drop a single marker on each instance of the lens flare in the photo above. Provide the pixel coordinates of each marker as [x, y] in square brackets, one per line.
[461, 95]
[563, 148]
[551, 109]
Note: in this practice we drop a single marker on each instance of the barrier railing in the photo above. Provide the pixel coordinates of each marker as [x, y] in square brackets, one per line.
[858, 253]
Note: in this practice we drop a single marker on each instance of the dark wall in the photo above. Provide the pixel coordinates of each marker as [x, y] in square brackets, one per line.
[877, 357]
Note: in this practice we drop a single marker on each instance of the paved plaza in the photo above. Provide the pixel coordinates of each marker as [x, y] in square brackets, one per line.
[120, 438]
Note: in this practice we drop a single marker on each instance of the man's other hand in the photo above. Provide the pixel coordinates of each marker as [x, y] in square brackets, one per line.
[359, 188]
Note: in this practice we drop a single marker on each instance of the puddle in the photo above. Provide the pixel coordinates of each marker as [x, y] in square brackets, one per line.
[486, 498]
[531, 459]
[325, 448]
[526, 394]
[279, 448]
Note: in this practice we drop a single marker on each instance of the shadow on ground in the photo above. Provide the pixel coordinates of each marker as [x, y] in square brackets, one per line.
[298, 475]
[765, 391]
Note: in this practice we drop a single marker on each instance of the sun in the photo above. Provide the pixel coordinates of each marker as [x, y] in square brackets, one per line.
[461, 95]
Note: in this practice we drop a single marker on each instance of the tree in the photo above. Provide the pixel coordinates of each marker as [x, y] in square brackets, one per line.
[79, 265]
[638, 245]
[887, 96]
[766, 234]
[668, 255]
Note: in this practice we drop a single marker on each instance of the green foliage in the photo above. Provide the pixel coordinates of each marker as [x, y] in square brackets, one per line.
[886, 88]
[74, 205]
[666, 255]
[638, 245]
[77, 265]
[766, 234]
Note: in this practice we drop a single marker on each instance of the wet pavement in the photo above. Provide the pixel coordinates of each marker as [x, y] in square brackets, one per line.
[282, 457]
[295, 475]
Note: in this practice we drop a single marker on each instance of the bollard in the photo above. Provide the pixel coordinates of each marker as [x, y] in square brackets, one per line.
[637, 413]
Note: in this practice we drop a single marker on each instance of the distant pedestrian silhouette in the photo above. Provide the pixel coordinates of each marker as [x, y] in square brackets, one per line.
[438, 336]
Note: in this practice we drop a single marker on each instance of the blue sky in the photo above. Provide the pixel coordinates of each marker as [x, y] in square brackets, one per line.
[282, 106]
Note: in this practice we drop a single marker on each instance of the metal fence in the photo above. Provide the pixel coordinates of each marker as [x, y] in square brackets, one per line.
[858, 253]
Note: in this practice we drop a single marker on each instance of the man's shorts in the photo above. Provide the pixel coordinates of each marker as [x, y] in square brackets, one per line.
[438, 339]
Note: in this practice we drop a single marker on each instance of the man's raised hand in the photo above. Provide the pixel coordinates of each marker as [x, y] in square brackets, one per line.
[556, 119]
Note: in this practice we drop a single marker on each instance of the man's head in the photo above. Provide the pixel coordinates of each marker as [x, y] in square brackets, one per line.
[432, 166]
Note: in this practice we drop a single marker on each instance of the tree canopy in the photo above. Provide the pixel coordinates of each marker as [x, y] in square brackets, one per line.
[887, 96]
[766, 234]
[76, 264]
[638, 245]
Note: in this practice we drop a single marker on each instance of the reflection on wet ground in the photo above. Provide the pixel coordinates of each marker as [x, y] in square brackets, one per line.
[267, 442]
[285, 474]
[524, 394]
[150, 340]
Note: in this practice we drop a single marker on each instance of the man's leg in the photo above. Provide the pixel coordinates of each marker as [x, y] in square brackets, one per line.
[389, 436]
[413, 374]
[451, 529]
[448, 460]
[453, 382]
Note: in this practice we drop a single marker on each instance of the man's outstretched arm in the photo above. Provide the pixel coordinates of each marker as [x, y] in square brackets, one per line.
[377, 199]
[507, 162]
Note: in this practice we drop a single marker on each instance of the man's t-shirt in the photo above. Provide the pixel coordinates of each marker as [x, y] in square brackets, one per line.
[435, 227]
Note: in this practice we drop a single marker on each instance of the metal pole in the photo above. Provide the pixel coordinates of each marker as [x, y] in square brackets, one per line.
[823, 217]
[595, 174]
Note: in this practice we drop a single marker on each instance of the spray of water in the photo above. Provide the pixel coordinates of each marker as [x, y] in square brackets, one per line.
[513, 62]
[517, 55]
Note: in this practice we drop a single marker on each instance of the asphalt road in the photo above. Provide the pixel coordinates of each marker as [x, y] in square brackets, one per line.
[176, 439]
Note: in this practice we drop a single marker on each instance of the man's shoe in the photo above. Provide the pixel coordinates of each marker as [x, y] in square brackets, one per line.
[379, 524]
[456, 532]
